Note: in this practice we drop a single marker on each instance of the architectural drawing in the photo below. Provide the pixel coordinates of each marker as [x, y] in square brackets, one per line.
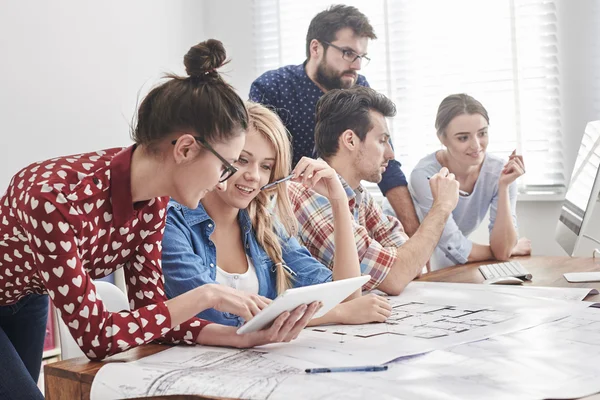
[557, 360]
[424, 321]
[436, 335]
[425, 318]
[216, 372]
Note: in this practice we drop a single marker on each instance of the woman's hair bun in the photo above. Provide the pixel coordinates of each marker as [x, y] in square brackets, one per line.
[204, 58]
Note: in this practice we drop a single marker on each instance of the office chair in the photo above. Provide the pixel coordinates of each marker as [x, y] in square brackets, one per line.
[114, 300]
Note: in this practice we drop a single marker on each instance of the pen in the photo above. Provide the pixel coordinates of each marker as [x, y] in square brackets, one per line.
[287, 178]
[461, 192]
[366, 368]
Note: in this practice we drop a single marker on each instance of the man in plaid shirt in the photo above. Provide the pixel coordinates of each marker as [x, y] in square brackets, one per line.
[351, 135]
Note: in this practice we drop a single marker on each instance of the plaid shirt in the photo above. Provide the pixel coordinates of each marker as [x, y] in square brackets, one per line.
[377, 235]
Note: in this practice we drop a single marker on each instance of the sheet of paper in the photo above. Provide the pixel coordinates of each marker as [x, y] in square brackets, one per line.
[425, 318]
[431, 323]
[554, 360]
[556, 293]
[218, 372]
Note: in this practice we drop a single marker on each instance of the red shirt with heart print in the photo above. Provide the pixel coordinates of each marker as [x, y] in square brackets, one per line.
[68, 220]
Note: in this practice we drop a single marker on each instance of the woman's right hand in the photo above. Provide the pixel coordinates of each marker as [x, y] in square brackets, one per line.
[365, 309]
[226, 299]
[513, 169]
[285, 328]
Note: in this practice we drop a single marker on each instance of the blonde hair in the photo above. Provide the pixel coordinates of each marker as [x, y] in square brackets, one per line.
[268, 124]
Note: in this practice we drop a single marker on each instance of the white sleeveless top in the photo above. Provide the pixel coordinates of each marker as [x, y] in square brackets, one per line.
[246, 282]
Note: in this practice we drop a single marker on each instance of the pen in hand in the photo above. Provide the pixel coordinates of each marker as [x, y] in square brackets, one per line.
[269, 185]
[365, 368]
[461, 192]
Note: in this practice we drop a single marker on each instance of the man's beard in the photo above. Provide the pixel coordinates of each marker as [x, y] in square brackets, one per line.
[330, 80]
[374, 175]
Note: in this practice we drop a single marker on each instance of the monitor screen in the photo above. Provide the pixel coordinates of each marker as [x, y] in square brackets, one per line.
[583, 178]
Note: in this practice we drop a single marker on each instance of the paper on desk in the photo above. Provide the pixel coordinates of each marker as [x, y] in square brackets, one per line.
[556, 293]
[424, 318]
[218, 372]
[427, 318]
[555, 360]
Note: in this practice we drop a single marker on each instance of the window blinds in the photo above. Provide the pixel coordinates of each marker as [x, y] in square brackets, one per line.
[502, 52]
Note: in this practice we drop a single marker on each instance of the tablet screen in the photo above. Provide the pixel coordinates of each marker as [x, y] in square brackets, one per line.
[329, 293]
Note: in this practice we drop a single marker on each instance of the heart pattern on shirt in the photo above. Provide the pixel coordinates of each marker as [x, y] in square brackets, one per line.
[62, 231]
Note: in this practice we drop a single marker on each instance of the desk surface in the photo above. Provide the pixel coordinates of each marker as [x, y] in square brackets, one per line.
[546, 271]
[72, 379]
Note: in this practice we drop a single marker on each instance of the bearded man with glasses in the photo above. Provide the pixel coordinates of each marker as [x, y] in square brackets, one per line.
[336, 49]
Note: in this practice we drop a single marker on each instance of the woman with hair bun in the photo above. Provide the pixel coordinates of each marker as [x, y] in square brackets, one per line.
[243, 237]
[72, 219]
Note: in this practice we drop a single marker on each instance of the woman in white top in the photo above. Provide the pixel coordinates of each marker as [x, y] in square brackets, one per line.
[243, 237]
[486, 183]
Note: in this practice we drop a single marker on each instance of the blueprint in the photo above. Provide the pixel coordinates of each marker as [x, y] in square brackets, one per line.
[218, 372]
[554, 360]
[430, 321]
[424, 318]
[425, 321]
[446, 343]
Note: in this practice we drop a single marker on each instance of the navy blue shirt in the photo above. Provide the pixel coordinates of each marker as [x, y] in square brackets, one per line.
[293, 95]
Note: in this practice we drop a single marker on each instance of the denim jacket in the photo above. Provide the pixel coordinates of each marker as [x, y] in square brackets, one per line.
[189, 258]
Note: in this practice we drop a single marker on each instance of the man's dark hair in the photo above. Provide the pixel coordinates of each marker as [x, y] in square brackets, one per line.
[341, 109]
[325, 25]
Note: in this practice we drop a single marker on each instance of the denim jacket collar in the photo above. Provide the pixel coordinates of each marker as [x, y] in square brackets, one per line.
[199, 215]
[196, 226]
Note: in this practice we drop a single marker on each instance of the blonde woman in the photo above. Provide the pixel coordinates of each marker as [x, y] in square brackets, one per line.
[239, 237]
[72, 219]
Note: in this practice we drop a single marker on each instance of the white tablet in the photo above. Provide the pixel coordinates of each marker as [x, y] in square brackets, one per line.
[329, 293]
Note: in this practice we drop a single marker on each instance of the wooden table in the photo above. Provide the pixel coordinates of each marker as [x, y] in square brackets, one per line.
[546, 271]
[72, 379]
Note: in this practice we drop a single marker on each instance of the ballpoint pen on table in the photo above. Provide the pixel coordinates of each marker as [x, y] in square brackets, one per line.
[365, 368]
[287, 178]
[461, 192]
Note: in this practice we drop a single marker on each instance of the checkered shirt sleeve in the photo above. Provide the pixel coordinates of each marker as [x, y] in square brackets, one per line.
[376, 253]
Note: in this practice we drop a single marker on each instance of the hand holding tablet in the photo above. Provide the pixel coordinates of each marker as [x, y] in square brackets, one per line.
[329, 294]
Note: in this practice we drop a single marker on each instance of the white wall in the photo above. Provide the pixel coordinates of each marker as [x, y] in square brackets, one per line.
[230, 21]
[72, 71]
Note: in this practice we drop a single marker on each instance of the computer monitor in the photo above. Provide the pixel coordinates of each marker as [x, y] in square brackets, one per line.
[582, 194]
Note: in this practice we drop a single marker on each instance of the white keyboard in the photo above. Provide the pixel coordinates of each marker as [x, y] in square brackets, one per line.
[509, 268]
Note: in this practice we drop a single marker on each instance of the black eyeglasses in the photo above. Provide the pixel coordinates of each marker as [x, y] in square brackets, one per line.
[229, 169]
[350, 55]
